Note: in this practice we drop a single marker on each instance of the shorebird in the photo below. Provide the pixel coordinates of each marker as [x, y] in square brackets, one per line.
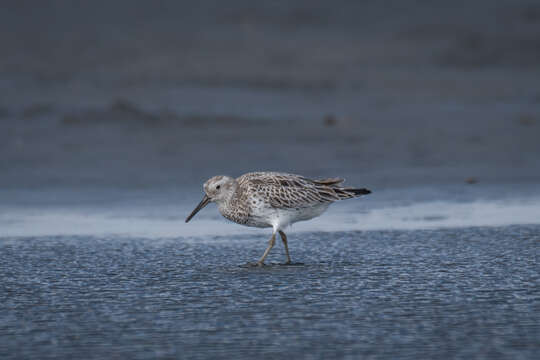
[273, 199]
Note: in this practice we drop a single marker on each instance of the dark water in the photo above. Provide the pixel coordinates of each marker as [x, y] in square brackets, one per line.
[459, 293]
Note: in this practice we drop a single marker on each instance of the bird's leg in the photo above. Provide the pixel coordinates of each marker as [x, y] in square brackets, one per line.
[271, 244]
[284, 239]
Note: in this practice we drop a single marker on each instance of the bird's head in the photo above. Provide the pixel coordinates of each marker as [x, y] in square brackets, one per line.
[218, 189]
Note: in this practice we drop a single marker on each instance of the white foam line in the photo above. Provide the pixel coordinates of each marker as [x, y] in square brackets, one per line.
[432, 215]
[153, 222]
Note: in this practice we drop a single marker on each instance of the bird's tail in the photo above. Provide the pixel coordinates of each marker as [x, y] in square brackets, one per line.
[329, 181]
[333, 193]
[330, 189]
[347, 193]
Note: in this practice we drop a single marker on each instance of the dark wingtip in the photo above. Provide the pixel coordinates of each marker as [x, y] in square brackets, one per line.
[361, 191]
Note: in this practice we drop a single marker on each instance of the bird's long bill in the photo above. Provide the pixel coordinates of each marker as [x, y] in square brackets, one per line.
[202, 204]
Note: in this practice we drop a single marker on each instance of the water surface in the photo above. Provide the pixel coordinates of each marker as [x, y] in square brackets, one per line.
[454, 293]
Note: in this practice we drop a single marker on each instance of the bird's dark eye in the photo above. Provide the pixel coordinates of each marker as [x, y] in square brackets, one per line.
[217, 187]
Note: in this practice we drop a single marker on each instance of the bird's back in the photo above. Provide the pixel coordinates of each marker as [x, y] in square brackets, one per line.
[282, 190]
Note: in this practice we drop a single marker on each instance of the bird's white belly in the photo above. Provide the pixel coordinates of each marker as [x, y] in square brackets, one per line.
[281, 218]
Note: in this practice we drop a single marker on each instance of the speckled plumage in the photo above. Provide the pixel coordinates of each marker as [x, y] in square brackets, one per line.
[273, 199]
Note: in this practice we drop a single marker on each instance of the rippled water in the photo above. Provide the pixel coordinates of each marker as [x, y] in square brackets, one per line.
[453, 293]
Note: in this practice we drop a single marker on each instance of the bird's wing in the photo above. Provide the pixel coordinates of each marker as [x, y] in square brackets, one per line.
[329, 181]
[281, 190]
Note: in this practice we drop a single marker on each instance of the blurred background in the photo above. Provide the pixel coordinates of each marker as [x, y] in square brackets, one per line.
[106, 97]
[114, 113]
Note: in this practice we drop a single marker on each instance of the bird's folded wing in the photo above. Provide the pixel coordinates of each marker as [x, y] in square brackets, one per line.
[289, 191]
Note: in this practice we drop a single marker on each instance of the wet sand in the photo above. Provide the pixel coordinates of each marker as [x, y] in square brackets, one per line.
[455, 293]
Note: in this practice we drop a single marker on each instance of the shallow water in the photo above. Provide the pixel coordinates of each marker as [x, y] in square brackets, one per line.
[160, 213]
[453, 293]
